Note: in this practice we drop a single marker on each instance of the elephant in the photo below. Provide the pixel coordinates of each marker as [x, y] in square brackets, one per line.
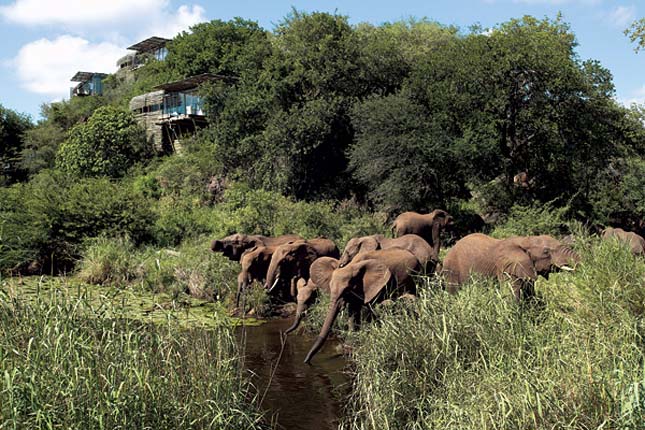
[291, 261]
[233, 246]
[368, 278]
[255, 263]
[520, 258]
[410, 242]
[307, 290]
[428, 226]
[635, 241]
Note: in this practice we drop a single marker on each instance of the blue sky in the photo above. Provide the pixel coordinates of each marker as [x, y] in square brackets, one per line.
[44, 42]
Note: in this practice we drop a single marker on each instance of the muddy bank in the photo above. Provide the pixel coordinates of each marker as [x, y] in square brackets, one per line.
[301, 397]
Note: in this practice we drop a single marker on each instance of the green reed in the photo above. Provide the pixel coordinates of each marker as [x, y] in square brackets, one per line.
[476, 360]
[72, 363]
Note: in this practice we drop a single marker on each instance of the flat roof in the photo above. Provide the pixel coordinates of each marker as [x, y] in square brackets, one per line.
[149, 44]
[192, 82]
[86, 76]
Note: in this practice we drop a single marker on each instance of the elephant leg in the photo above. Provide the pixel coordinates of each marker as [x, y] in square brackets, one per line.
[241, 284]
[523, 289]
[354, 310]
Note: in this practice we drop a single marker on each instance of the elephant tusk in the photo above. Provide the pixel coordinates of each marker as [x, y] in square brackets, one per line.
[274, 284]
[567, 268]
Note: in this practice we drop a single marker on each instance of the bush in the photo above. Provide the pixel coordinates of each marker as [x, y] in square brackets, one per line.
[189, 269]
[108, 262]
[50, 217]
[533, 220]
[478, 360]
[108, 144]
[65, 364]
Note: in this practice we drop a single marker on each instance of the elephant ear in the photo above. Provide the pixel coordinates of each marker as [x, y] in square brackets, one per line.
[375, 275]
[369, 243]
[515, 263]
[321, 270]
[303, 250]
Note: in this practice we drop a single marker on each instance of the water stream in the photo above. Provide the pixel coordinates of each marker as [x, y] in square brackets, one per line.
[300, 396]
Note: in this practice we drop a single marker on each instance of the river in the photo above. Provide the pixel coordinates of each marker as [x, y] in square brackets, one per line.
[299, 396]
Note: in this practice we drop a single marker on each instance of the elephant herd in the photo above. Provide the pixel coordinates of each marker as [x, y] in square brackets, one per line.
[372, 268]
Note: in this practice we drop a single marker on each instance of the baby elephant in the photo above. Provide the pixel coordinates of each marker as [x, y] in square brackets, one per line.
[428, 226]
[410, 242]
[369, 277]
[307, 290]
[635, 241]
[520, 259]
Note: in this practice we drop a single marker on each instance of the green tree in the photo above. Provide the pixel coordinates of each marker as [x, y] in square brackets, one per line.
[636, 33]
[12, 127]
[107, 144]
[231, 48]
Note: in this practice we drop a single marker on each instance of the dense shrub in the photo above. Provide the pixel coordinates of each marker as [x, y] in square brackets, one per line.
[107, 144]
[533, 220]
[50, 217]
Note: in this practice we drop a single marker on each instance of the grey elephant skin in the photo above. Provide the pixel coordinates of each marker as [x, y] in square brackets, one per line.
[368, 278]
[291, 261]
[519, 259]
[233, 246]
[428, 226]
[419, 247]
[307, 290]
[255, 263]
[635, 241]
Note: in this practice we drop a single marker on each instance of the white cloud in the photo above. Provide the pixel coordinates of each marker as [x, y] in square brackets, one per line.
[622, 16]
[113, 19]
[79, 12]
[46, 66]
[637, 96]
[169, 24]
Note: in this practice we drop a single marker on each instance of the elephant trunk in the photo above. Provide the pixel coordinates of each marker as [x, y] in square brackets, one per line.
[272, 275]
[300, 312]
[334, 308]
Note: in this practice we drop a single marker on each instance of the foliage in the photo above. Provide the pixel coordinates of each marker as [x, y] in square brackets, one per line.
[619, 198]
[636, 33]
[533, 220]
[52, 215]
[12, 127]
[476, 359]
[71, 363]
[230, 48]
[402, 159]
[107, 144]
[40, 146]
[188, 269]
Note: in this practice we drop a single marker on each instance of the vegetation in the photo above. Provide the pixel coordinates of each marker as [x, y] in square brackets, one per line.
[12, 127]
[106, 145]
[477, 360]
[72, 362]
[323, 128]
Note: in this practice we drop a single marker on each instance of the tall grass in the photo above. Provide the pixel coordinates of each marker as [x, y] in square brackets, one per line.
[68, 363]
[477, 360]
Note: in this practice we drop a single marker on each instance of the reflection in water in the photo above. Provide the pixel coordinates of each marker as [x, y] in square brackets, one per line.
[303, 397]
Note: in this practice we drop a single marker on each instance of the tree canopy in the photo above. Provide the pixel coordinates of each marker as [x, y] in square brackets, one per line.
[106, 145]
